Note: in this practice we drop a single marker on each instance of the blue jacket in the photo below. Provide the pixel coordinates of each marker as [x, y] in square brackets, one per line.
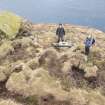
[89, 42]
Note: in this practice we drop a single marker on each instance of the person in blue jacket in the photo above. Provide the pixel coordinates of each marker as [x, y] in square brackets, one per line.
[88, 43]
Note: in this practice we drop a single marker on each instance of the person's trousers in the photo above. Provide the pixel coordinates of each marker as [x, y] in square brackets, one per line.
[87, 50]
[60, 38]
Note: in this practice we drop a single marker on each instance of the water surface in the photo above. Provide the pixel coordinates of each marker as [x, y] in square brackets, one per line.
[82, 12]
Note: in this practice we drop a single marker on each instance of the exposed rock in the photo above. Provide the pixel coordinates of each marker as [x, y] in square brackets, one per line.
[91, 71]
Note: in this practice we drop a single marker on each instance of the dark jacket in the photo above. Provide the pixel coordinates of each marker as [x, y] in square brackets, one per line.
[60, 31]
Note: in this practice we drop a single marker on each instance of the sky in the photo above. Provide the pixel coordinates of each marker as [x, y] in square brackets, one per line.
[84, 12]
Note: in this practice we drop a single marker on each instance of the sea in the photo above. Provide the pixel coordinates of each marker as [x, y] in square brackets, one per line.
[89, 13]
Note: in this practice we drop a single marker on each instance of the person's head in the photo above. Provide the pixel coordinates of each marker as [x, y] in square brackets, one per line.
[89, 37]
[60, 25]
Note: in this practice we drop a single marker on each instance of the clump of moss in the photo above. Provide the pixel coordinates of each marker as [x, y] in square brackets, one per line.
[9, 24]
[31, 100]
[5, 48]
[8, 102]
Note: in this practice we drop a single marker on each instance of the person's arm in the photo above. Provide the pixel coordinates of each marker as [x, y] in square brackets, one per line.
[63, 31]
[93, 42]
[85, 41]
[57, 31]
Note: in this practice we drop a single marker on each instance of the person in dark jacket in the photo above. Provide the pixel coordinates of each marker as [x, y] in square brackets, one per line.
[88, 43]
[60, 32]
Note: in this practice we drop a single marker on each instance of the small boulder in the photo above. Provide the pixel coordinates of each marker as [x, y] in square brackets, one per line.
[91, 71]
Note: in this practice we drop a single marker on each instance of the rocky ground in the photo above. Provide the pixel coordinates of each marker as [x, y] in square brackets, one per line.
[33, 72]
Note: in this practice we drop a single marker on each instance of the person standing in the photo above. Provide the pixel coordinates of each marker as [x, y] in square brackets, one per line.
[60, 32]
[88, 43]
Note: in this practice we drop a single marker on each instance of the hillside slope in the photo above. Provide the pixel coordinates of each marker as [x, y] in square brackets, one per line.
[33, 72]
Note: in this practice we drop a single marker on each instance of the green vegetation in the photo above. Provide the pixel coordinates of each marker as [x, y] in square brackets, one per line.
[32, 72]
[9, 24]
